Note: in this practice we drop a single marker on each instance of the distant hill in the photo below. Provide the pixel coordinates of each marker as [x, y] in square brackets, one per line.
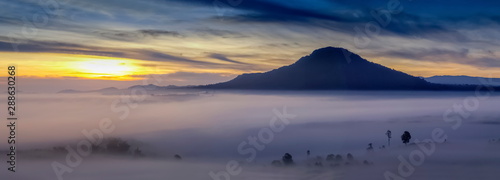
[104, 90]
[155, 87]
[332, 68]
[462, 80]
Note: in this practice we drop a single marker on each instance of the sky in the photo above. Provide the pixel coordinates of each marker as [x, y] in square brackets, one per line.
[64, 44]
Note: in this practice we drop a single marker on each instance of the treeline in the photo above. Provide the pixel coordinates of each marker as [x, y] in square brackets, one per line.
[110, 146]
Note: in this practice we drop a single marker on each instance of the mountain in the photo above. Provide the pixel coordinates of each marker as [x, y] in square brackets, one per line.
[104, 90]
[67, 91]
[332, 68]
[462, 80]
[152, 87]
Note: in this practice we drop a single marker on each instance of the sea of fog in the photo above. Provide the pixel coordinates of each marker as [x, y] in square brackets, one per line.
[237, 134]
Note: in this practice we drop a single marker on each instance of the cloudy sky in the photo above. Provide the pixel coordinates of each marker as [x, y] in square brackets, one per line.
[96, 43]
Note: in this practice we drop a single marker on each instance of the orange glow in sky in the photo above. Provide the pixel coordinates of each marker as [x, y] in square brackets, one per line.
[107, 68]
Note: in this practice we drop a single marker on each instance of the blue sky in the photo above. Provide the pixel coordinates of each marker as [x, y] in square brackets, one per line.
[226, 38]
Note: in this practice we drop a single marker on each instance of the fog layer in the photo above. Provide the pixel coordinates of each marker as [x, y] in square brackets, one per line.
[207, 128]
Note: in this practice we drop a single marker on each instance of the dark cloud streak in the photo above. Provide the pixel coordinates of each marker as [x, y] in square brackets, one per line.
[30, 46]
[224, 58]
[136, 35]
[461, 56]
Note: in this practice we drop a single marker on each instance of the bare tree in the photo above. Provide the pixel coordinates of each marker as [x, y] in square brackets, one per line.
[389, 136]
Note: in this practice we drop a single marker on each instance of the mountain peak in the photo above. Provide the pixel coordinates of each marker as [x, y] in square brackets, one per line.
[327, 55]
[329, 50]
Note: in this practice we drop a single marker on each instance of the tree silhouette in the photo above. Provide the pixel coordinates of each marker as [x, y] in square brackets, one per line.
[118, 146]
[370, 147]
[350, 157]
[287, 159]
[177, 157]
[339, 158]
[96, 149]
[330, 157]
[138, 153]
[389, 136]
[60, 149]
[406, 137]
[319, 161]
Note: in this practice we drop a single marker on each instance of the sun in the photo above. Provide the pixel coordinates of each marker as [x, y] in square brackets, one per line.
[105, 68]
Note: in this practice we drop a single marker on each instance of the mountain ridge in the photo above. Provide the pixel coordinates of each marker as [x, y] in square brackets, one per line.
[463, 80]
[330, 68]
